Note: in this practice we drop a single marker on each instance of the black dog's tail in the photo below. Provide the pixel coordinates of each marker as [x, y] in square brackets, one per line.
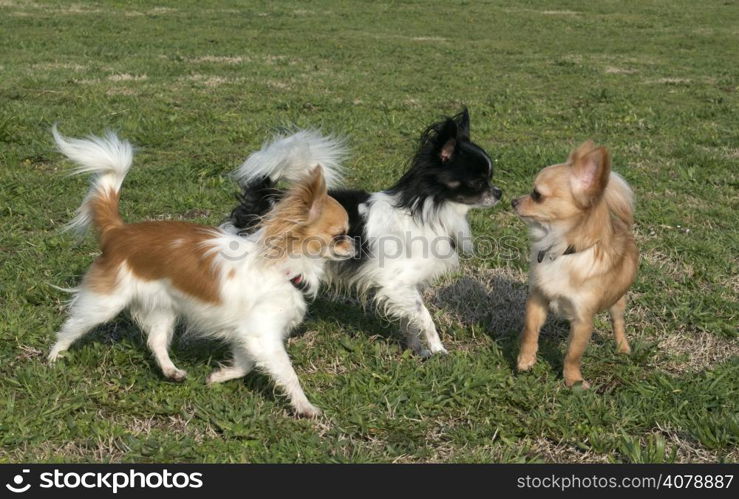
[256, 199]
[288, 158]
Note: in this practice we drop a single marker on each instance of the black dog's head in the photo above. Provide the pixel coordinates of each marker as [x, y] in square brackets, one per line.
[448, 167]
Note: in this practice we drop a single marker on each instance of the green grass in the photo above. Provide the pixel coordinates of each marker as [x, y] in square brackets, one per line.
[199, 85]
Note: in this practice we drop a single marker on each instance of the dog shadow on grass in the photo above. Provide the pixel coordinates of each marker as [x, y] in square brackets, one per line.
[494, 300]
[356, 318]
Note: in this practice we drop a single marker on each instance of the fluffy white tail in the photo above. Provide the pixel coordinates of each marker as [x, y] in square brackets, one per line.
[108, 159]
[292, 157]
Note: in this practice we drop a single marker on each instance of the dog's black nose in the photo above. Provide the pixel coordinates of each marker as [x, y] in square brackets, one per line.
[497, 193]
[514, 202]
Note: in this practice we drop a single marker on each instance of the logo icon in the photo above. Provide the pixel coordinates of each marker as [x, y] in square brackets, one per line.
[18, 481]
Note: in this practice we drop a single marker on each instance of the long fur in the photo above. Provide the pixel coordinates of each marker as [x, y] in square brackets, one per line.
[108, 159]
[290, 157]
[223, 286]
[620, 199]
[420, 190]
[283, 158]
[394, 229]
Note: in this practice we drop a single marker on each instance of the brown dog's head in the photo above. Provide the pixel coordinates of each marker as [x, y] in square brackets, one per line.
[308, 222]
[569, 189]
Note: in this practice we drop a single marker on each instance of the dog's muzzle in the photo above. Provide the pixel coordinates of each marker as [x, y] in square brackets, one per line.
[491, 197]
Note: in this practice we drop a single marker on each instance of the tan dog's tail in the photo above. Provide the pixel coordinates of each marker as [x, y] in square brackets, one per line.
[620, 199]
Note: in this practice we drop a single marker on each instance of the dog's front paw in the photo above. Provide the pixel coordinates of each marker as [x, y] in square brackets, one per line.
[623, 348]
[525, 361]
[573, 379]
[439, 350]
[307, 410]
[214, 378]
[423, 353]
[415, 346]
[578, 385]
[55, 352]
[175, 374]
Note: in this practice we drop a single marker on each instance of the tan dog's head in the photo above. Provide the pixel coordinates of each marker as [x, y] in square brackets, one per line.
[308, 222]
[566, 190]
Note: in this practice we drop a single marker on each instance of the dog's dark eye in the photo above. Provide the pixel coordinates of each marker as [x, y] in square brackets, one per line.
[340, 237]
[536, 195]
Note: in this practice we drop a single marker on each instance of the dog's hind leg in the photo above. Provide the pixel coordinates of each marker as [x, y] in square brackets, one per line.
[619, 326]
[241, 366]
[88, 310]
[581, 329]
[159, 324]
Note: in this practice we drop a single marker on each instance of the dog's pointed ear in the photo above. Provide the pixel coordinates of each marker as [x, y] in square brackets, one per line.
[446, 140]
[301, 207]
[314, 194]
[591, 169]
[580, 151]
[463, 125]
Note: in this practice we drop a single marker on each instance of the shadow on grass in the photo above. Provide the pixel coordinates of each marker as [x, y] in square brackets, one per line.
[495, 302]
[356, 319]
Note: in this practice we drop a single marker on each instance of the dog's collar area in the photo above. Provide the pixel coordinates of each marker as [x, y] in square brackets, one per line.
[540, 257]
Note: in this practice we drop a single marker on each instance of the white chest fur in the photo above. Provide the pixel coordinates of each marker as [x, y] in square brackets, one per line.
[560, 277]
[411, 251]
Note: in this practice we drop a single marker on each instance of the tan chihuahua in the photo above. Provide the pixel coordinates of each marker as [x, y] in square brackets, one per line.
[583, 254]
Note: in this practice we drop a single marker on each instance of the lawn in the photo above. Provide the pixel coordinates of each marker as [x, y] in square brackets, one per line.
[198, 85]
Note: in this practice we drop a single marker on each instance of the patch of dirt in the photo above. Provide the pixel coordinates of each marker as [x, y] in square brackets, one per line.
[51, 66]
[217, 59]
[672, 81]
[211, 81]
[615, 70]
[559, 12]
[667, 265]
[127, 77]
[695, 351]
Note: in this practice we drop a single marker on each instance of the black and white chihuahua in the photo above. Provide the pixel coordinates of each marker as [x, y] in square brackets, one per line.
[408, 234]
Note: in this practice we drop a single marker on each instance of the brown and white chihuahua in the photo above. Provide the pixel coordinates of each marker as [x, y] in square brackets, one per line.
[247, 291]
[583, 254]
